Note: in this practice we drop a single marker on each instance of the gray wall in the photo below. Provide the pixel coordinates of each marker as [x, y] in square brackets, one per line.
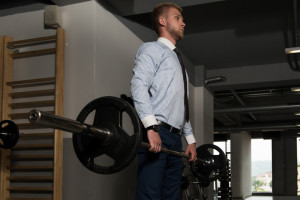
[202, 111]
[99, 58]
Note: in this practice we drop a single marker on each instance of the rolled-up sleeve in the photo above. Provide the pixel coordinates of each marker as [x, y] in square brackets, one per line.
[188, 133]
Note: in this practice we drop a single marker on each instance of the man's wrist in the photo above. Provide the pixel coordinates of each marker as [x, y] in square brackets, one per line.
[153, 127]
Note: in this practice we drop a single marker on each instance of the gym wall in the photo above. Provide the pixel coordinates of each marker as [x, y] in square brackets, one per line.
[99, 57]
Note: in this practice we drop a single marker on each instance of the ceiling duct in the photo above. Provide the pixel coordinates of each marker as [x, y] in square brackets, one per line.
[242, 103]
[248, 109]
[215, 79]
[231, 129]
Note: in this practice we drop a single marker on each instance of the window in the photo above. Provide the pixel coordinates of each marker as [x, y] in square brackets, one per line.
[261, 157]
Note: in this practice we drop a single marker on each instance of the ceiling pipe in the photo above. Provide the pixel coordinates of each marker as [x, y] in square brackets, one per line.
[242, 103]
[261, 92]
[225, 116]
[255, 128]
[215, 79]
[248, 109]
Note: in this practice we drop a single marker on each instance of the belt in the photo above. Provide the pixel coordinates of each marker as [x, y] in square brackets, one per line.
[169, 127]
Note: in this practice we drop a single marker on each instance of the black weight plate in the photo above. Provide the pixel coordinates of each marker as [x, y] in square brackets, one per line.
[122, 146]
[184, 183]
[9, 134]
[208, 172]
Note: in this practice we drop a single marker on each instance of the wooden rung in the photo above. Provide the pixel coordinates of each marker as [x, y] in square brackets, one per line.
[28, 147]
[22, 115]
[31, 168]
[31, 178]
[18, 116]
[33, 104]
[34, 53]
[32, 82]
[38, 93]
[31, 189]
[31, 157]
[28, 126]
[32, 41]
[31, 136]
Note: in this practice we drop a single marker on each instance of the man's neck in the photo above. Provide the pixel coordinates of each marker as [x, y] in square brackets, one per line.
[167, 36]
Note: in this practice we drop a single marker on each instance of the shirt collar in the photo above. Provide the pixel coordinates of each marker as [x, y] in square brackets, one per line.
[166, 42]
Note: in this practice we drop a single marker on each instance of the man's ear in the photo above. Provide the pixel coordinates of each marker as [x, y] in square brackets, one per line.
[162, 21]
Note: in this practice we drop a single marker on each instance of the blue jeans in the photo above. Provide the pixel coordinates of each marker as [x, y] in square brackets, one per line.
[159, 174]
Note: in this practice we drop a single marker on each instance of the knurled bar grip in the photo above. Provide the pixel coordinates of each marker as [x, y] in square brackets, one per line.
[175, 153]
[205, 162]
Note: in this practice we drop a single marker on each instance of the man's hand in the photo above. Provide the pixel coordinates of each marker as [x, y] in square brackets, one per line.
[191, 150]
[154, 141]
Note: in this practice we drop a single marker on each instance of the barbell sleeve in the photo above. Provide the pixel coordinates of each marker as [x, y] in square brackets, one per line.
[57, 122]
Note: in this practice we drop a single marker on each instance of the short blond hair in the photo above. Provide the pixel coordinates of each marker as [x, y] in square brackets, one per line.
[159, 10]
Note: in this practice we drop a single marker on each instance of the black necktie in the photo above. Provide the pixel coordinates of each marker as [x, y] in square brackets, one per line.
[186, 103]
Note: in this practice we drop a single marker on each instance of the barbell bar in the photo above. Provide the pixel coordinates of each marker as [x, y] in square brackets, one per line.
[57, 122]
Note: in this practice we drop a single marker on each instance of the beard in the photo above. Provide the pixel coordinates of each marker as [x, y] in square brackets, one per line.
[175, 33]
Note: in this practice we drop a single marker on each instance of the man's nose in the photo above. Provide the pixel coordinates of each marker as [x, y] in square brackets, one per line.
[183, 24]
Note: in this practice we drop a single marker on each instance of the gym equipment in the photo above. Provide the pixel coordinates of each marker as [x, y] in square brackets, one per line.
[9, 134]
[106, 146]
[216, 163]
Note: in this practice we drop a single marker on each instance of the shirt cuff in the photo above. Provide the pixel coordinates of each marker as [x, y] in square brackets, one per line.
[190, 139]
[149, 120]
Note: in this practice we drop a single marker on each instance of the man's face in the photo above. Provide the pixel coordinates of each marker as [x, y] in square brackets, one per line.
[175, 25]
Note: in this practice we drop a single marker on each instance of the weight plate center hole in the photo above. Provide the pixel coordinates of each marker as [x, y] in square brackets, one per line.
[126, 124]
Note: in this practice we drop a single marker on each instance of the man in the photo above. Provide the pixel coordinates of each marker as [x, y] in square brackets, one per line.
[158, 91]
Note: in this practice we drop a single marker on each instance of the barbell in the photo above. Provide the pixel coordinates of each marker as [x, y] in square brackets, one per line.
[106, 147]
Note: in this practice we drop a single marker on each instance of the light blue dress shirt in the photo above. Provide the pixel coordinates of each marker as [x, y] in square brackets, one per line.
[157, 86]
